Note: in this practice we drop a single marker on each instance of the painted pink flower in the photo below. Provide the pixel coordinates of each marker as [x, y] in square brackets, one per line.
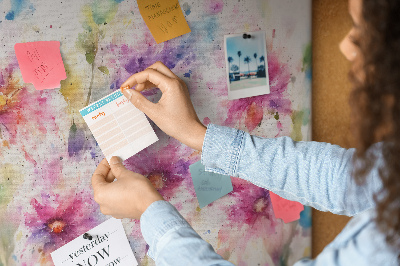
[25, 113]
[54, 220]
[251, 217]
[214, 6]
[251, 109]
[9, 102]
[252, 203]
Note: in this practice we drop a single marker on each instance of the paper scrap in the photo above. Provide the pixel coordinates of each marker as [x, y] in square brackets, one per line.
[41, 64]
[118, 126]
[164, 18]
[209, 186]
[284, 209]
[108, 246]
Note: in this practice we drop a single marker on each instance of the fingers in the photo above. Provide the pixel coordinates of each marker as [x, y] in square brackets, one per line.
[117, 167]
[159, 80]
[110, 177]
[144, 86]
[158, 66]
[140, 102]
[100, 174]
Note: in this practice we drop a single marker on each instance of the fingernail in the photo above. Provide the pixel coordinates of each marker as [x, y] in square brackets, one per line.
[124, 87]
[127, 93]
[115, 160]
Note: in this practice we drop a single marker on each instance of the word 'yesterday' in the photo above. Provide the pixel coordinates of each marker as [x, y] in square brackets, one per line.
[87, 247]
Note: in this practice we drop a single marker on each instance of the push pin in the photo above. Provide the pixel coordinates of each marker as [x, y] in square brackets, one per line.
[87, 236]
[246, 36]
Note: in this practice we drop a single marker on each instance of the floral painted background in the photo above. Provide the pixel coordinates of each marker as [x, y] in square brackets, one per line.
[47, 153]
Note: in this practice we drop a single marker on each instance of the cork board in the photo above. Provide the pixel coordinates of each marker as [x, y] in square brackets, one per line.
[48, 154]
[331, 89]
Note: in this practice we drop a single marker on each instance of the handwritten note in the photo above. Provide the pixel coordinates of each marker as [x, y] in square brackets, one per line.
[209, 186]
[108, 246]
[118, 126]
[164, 18]
[284, 209]
[41, 63]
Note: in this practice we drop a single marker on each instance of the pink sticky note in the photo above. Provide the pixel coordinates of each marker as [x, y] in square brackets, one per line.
[41, 63]
[284, 209]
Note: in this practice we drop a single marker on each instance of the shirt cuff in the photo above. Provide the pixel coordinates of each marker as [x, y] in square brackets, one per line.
[221, 150]
[157, 220]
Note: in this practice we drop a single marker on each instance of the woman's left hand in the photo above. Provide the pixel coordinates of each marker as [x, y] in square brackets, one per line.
[127, 197]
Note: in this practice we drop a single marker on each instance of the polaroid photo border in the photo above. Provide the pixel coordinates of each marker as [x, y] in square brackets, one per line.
[241, 83]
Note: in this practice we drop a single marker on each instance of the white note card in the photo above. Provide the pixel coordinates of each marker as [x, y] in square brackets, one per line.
[118, 126]
[108, 246]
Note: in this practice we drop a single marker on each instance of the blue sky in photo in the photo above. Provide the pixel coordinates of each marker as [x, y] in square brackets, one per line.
[248, 47]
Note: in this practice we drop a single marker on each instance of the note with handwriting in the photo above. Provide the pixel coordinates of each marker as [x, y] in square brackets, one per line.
[118, 126]
[41, 63]
[209, 186]
[164, 18]
[108, 246]
[284, 209]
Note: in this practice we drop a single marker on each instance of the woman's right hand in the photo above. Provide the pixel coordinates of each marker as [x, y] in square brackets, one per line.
[173, 113]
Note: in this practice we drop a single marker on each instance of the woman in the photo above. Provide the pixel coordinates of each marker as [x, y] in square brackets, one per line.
[317, 174]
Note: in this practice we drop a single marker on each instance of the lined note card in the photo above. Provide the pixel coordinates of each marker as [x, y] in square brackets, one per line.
[209, 186]
[284, 209]
[118, 126]
[108, 246]
[41, 63]
[164, 18]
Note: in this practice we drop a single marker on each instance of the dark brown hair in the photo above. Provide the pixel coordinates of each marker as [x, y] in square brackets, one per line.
[376, 106]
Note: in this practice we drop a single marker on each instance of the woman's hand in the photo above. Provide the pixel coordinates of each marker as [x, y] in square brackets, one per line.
[174, 113]
[127, 197]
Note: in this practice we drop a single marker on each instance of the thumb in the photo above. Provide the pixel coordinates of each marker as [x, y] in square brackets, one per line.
[117, 167]
[138, 100]
[100, 174]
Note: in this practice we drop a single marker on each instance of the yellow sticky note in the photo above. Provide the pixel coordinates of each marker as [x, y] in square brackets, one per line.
[164, 19]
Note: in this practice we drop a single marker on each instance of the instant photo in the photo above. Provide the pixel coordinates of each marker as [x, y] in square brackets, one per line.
[246, 64]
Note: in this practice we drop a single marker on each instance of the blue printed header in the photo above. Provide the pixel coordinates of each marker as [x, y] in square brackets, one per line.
[100, 103]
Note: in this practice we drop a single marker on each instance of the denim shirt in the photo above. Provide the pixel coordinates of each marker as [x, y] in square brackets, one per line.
[312, 173]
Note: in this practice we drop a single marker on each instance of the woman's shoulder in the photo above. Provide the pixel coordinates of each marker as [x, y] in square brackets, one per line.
[362, 241]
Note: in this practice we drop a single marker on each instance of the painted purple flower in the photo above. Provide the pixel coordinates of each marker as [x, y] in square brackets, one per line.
[132, 59]
[167, 167]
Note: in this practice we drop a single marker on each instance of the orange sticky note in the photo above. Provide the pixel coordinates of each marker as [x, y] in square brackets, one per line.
[41, 63]
[284, 209]
[164, 18]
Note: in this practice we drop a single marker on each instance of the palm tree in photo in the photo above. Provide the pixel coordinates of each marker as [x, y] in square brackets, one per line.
[247, 60]
[239, 55]
[230, 60]
[234, 68]
[255, 58]
[262, 59]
